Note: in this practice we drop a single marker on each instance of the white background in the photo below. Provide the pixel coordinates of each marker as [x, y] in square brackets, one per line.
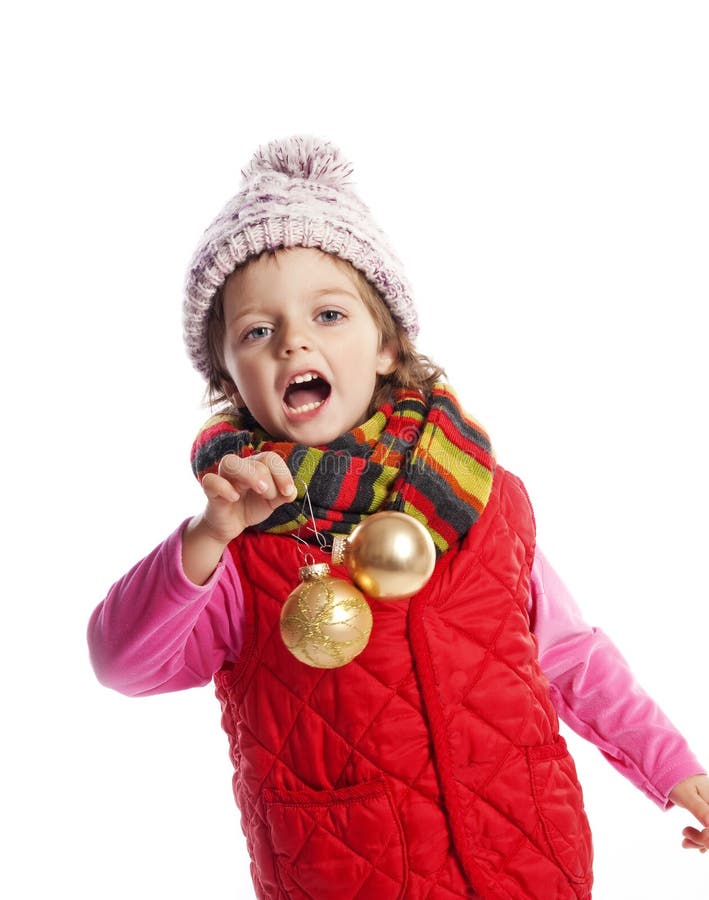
[542, 171]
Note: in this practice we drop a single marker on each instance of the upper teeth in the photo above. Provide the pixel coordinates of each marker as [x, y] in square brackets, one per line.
[299, 379]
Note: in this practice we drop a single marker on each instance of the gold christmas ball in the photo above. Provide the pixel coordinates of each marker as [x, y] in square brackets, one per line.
[389, 554]
[325, 622]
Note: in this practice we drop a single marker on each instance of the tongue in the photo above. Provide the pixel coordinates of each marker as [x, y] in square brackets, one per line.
[300, 394]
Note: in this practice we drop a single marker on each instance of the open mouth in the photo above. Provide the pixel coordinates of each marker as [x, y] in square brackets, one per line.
[306, 392]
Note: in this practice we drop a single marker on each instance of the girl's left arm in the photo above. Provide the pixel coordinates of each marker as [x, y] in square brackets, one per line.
[595, 693]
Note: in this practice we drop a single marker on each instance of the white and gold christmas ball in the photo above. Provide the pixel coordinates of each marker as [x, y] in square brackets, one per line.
[325, 621]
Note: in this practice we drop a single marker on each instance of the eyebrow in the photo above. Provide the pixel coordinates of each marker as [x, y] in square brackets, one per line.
[323, 292]
[239, 315]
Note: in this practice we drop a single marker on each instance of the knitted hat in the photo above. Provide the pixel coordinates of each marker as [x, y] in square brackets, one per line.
[295, 193]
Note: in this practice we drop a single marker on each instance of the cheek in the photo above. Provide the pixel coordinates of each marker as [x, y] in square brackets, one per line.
[237, 362]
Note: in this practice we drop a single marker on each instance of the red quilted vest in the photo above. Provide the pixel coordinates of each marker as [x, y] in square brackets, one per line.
[429, 767]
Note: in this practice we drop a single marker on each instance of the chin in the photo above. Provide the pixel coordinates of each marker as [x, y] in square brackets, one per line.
[318, 438]
[315, 435]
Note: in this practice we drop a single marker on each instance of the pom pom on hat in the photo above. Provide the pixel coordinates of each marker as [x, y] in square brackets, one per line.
[301, 157]
[295, 193]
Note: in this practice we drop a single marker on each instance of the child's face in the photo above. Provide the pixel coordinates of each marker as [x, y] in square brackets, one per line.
[301, 346]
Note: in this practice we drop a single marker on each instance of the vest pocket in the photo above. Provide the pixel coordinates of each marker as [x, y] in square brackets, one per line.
[335, 845]
[559, 802]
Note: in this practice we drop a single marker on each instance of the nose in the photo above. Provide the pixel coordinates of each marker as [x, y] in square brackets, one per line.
[294, 337]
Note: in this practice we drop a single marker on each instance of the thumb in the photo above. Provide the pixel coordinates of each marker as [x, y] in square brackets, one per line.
[693, 795]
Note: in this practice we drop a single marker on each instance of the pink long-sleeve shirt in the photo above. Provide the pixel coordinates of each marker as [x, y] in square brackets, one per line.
[156, 631]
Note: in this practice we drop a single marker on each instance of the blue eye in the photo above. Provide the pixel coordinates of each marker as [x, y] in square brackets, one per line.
[331, 315]
[260, 331]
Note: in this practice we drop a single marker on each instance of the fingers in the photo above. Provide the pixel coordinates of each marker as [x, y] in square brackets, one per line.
[695, 839]
[264, 473]
[218, 488]
[282, 478]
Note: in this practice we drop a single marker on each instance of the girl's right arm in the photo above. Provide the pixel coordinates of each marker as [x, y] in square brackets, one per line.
[176, 617]
[157, 631]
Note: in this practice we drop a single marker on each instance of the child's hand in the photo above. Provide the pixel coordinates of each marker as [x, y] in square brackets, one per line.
[244, 492]
[693, 794]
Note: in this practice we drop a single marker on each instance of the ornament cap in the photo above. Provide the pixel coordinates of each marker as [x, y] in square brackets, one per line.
[339, 542]
[313, 571]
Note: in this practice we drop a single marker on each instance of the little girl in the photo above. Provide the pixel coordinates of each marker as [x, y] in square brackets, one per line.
[431, 764]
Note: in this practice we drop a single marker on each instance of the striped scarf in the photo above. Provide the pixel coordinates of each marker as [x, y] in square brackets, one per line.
[432, 461]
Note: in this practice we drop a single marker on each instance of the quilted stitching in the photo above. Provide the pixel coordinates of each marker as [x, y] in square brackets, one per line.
[361, 866]
[364, 747]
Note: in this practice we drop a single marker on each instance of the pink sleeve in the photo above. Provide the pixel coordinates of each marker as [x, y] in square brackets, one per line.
[158, 632]
[595, 692]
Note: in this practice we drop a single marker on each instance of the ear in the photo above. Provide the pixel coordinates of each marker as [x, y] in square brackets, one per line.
[386, 359]
[230, 391]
